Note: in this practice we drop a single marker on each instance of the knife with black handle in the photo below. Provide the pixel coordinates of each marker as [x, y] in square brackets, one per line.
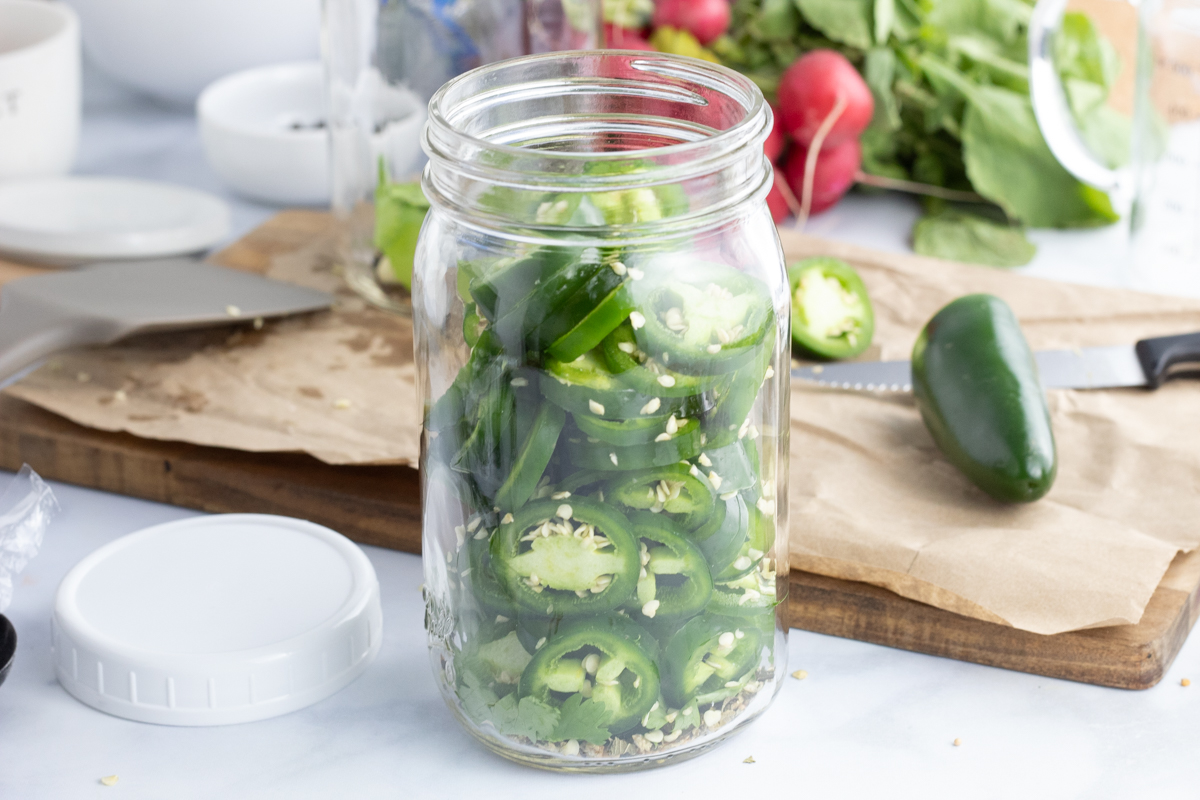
[1147, 363]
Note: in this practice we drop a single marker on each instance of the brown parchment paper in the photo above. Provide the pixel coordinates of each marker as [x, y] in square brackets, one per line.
[873, 500]
[338, 385]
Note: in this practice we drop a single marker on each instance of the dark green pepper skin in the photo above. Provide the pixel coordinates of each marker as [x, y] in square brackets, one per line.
[977, 387]
[612, 637]
[695, 646]
[508, 547]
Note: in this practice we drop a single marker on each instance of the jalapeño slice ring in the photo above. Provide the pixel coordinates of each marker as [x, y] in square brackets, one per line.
[607, 658]
[566, 557]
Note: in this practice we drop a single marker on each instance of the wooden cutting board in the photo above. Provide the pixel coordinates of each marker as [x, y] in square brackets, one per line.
[381, 506]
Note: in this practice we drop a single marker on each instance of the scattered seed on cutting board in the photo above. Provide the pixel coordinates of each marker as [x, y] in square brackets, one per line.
[799, 674]
[109, 780]
[748, 760]
[1185, 682]
[958, 742]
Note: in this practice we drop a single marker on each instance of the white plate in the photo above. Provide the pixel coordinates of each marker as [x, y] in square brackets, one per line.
[71, 221]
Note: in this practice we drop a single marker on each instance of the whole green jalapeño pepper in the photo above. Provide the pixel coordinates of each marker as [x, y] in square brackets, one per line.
[977, 387]
[566, 557]
[831, 312]
[607, 659]
[709, 659]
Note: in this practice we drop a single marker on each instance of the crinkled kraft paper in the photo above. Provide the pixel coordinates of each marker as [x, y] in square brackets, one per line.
[339, 385]
[872, 498]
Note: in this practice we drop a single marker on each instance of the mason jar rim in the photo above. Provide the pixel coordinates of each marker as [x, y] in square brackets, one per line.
[443, 136]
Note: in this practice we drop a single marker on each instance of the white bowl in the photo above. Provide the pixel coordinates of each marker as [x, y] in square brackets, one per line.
[174, 48]
[264, 132]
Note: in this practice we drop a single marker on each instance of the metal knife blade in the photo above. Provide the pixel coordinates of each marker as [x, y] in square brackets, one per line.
[1082, 368]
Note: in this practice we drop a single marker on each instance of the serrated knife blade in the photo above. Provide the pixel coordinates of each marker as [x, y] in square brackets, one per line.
[1147, 363]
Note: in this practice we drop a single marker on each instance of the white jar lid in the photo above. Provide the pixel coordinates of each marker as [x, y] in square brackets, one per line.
[216, 620]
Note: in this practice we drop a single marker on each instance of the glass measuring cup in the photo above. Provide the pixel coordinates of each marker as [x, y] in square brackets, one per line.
[1160, 187]
[384, 59]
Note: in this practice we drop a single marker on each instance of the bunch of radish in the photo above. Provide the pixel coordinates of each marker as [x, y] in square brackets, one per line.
[824, 106]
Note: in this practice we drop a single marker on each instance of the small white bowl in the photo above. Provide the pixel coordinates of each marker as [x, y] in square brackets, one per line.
[264, 131]
[172, 49]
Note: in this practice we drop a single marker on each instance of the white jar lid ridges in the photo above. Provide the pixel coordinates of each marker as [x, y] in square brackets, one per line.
[216, 620]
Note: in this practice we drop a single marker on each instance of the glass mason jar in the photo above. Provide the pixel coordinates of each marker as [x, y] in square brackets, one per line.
[601, 323]
[384, 59]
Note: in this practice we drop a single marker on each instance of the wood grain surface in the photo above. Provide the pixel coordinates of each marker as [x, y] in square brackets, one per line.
[381, 506]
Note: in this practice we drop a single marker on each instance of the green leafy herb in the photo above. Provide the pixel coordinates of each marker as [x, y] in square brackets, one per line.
[884, 18]
[951, 90]
[630, 14]
[526, 717]
[581, 719]
[1008, 162]
[689, 717]
[1088, 66]
[961, 236]
[476, 698]
[656, 717]
[1080, 52]
[1004, 21]
[847, 21]
[400, 210]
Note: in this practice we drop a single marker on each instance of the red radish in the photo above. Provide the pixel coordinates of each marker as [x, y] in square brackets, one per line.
[620, 38]
[704, 19]
[809, 91]
[778, 205]
[776, 139]
[832, 177]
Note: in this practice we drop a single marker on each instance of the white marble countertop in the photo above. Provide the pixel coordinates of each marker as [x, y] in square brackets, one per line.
[869, 721]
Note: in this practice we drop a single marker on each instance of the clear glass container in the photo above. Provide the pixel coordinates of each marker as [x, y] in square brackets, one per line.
[1160, 187]
[384, 59]
[601, 322]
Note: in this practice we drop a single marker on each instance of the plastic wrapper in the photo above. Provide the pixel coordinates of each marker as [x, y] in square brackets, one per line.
[26, 508]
